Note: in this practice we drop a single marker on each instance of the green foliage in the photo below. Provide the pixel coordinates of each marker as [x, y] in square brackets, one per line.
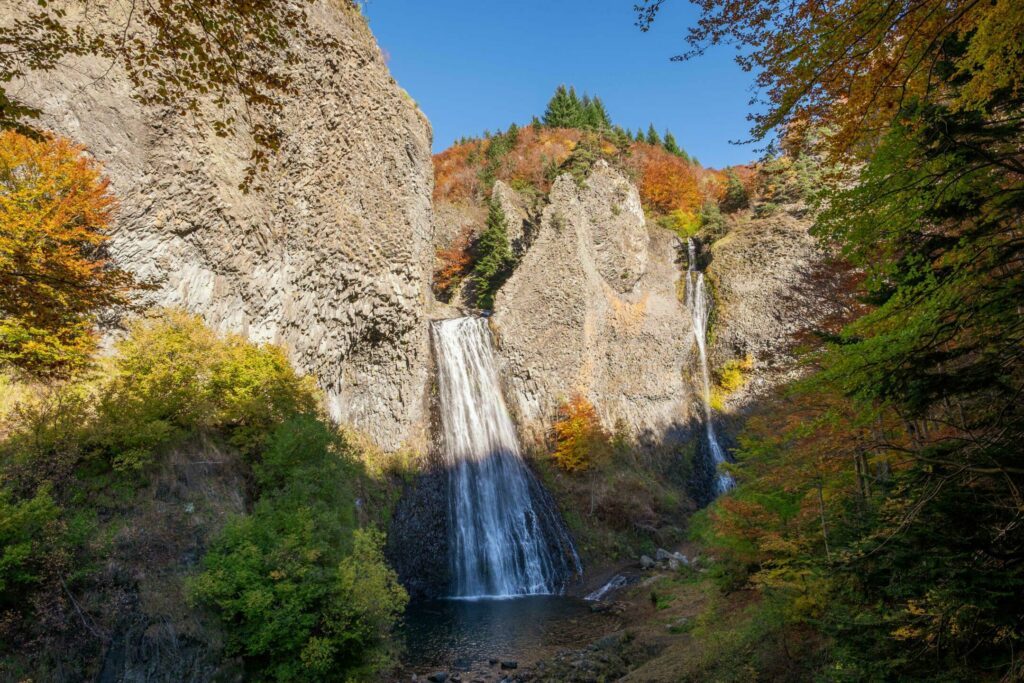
[567, 110]
[303, 593]
[494, 261]
[172, 375]
[736, 196]
[712, 222]
[25, 528]
[652, 136]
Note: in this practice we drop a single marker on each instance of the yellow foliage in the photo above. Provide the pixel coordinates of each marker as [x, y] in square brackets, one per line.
[55, 276]
[580, 440]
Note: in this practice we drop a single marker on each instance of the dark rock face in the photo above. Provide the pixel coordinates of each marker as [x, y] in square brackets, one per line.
[418, 546]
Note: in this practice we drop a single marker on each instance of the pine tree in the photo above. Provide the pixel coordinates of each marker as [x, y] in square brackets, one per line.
[559, 112]
[670, 144]
[536, 123]
[494, 258]
[597, 115]
[575, 109]
[640, 136]
[652, 136]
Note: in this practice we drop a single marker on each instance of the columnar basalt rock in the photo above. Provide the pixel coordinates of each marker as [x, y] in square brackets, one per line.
[329, 255]
[593, 308]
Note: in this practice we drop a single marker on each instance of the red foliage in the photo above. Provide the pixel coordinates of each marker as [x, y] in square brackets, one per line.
[454, 263]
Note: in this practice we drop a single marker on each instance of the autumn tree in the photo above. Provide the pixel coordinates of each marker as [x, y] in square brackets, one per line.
[56, 276]
[580, 440]
[921, 104]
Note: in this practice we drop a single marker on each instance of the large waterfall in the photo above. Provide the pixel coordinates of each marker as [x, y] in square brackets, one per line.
[506, 538]
[697, 303]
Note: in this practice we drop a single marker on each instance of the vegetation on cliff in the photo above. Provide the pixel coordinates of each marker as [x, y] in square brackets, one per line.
[299, 584]
[879, 503]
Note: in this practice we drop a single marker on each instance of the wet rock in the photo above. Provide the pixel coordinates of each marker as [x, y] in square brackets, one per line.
[492, 661]
[646, 562]
[438, 677]
[674, 564]
[509, 664]
[662, 555]
[680, 558]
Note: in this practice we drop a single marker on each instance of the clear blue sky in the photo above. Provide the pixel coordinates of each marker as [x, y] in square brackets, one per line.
[482, 64]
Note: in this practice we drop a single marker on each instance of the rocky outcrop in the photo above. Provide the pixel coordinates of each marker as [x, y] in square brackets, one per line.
[772, 283]
[329, 256]
[593, 308]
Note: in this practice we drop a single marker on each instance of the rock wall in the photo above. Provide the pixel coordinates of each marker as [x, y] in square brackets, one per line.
[773, 282]
[329, 258]
[593, 308]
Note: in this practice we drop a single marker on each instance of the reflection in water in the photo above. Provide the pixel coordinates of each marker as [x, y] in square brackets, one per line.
[462, 634]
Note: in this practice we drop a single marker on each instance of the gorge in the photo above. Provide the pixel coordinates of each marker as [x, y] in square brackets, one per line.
[290, 393]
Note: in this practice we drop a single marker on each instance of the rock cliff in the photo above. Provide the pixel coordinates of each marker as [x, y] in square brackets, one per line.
[328, 257]
[593, 308]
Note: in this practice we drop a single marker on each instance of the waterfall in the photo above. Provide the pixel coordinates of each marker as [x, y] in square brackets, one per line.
[506, 538]
[697, 304]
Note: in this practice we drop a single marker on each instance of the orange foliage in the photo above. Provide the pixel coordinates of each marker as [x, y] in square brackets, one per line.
[580, 440]
[55, 277]
[457, 169]
[454, 264]
[667, 182]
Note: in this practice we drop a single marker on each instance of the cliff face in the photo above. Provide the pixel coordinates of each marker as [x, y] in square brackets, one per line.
[329, 257]
[593, 308]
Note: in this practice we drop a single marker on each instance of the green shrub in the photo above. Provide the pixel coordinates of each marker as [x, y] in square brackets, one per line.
[24, 526]
[302, 593]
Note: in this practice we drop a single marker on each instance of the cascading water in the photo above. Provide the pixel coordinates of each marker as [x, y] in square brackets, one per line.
[697, 303]
[506, 539]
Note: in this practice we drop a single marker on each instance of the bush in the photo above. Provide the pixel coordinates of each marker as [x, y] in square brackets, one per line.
[173, 375]
[302, 593]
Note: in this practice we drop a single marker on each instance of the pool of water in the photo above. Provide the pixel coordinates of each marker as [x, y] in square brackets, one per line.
[464, 634]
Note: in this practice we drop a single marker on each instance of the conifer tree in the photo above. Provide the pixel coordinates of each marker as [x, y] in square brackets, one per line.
[559, 110]
[670, 144]
[640, 135]
[735, 193]
[494, 257]
[652, 136]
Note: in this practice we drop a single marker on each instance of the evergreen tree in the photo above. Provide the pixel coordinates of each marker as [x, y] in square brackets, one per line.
[652, 136]
[670, 144]
[536, 123]
[494, 258]
[735, 193]
[575, 109]
[640, 136]
[559, 112]
[599, 114]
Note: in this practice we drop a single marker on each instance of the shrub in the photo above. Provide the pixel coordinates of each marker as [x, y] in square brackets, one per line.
[173, 375]
[580, 440]
[302, 593]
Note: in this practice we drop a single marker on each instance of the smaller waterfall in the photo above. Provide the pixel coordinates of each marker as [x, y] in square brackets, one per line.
[506, 538]
[697, 303]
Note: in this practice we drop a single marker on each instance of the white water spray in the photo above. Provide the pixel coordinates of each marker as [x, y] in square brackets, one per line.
[697, 303]
[506, 540]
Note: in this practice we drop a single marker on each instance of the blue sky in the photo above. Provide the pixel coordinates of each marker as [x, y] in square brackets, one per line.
[482, 64]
